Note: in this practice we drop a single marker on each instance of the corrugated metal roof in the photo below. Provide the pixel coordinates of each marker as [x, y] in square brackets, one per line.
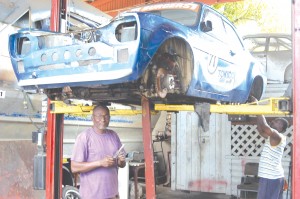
[112, 7]
[12, 10]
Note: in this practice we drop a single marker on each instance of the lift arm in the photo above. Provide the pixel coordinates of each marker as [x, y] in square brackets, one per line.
[270, 106]
[60, 107]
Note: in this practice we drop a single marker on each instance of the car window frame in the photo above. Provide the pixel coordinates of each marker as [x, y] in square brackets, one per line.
[239, 43]
[266, 45]
[278, 38]
[213, 33]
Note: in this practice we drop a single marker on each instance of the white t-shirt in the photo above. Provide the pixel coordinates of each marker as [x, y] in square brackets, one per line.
[270, 166]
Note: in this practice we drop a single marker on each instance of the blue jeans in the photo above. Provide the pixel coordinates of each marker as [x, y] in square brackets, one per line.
[270, 188]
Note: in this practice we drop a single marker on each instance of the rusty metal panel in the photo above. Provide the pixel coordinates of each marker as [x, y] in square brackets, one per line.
[16, 170]
[112, 7]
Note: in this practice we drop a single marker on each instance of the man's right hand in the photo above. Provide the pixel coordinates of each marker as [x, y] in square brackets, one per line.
[108, 161]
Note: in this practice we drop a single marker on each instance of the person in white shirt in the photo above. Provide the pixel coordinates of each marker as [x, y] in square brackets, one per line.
[270, 171]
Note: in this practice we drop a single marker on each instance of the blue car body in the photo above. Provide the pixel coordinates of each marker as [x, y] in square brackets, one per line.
[169, 52]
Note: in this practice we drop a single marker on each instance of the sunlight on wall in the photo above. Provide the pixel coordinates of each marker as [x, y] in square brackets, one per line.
[279, 11]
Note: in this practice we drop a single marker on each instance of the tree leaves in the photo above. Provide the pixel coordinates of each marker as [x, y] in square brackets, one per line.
[242, 11]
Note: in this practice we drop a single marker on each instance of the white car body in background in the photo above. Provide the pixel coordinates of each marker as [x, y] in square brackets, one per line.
[274, 51]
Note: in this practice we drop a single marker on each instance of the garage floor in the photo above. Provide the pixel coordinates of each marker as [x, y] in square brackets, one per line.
[167, 193]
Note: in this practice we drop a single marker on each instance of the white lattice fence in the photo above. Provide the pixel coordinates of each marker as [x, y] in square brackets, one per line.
[246, 141]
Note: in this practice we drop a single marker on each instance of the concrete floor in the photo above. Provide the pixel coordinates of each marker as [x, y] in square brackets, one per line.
[166, 193]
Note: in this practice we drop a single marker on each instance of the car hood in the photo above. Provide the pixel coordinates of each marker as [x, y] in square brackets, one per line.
[12, 11]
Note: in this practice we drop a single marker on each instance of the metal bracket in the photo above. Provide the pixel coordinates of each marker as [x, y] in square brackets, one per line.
[270, 106]
[171, 107]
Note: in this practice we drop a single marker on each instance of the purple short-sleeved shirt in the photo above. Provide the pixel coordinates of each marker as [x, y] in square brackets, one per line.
[100, 183]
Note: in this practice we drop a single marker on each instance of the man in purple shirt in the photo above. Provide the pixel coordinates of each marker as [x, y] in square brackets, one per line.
[94, 158]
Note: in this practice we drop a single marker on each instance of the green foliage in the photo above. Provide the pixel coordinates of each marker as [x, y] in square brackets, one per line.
[242, 11]
[258, 15]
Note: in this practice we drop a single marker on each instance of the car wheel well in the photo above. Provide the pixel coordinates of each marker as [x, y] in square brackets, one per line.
[170, 70]
[185, 59]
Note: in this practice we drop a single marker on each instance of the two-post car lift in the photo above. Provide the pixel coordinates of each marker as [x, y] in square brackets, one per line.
[55, 121]
[57, 109]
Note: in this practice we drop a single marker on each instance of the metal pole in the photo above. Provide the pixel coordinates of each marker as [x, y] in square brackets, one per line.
[148, 149]
[55, 15]
[296, 99]
[54, 129]
[50, 150]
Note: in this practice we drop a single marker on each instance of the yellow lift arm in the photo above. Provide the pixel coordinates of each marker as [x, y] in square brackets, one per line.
[270, 106]
[167, 107]
[80, 109]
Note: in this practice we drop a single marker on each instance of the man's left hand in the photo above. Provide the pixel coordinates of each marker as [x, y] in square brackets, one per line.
[121, 161]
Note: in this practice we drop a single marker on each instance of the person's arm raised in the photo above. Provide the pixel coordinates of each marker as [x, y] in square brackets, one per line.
[264, 129]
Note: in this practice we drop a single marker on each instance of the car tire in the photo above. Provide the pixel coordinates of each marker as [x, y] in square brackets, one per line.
[288, 74]
[67, 177]
[256, 89]
[70, 192]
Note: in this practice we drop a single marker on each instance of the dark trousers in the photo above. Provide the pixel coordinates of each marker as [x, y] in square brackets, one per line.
[270, 188]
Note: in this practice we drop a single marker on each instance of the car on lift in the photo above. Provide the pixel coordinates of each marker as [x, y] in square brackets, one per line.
[274, 51]
[176, 53]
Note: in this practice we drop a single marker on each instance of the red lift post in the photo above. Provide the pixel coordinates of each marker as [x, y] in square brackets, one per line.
[296, 98]
[54, 136]
[54, 142]
[148, 149]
